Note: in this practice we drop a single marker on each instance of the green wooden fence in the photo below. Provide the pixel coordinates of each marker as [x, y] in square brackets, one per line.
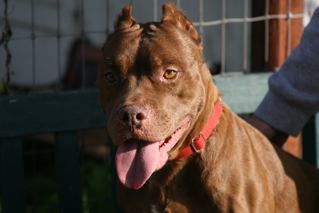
[66, 112]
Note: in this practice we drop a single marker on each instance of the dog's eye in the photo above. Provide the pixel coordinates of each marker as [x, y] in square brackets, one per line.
[170, 74]
[110, 77]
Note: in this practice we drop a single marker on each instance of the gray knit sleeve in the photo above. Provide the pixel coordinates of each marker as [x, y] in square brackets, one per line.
[293, 95]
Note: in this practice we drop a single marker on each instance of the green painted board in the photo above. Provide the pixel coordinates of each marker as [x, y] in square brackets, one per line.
[49, 112]
[58, 111]
[243, 93]
[317, 138]
[53, 112]
[12, 176]
[310, 141]
[68, 171]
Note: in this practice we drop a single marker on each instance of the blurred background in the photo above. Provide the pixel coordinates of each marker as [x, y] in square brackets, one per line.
[54, 45]
[48, 36]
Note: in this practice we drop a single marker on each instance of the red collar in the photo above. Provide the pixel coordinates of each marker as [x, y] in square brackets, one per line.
[199, 142]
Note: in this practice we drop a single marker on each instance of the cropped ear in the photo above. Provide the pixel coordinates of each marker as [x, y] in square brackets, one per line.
[124, 19]
[174, 16]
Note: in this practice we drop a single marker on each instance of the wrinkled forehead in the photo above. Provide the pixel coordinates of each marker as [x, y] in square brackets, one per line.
[158, 43]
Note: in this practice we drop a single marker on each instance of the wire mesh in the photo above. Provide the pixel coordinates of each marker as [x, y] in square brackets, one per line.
[58, 35]
[155, 3]
[246, 20]
[267, 31]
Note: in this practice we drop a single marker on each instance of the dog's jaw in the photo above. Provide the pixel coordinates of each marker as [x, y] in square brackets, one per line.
[137, 160]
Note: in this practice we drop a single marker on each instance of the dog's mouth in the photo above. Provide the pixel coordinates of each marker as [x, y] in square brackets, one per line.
[137, 160]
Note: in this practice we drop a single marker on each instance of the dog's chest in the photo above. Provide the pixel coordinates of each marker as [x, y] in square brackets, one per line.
[184, 193]
[180, 199]
[187, 197]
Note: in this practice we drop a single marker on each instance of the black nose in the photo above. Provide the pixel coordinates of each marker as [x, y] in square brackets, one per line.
[132, 115]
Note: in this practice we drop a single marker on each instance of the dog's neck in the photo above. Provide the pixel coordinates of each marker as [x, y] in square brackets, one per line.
[211, 97]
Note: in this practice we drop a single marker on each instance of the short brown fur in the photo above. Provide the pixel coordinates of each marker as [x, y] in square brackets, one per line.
[238, 171]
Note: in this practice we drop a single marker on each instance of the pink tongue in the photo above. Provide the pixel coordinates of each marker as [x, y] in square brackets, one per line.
[136, 161]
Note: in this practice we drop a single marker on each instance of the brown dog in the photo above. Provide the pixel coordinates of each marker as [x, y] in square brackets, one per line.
[158, 95]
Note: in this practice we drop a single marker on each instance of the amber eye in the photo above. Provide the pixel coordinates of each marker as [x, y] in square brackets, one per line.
[170, 74]
[110, 77]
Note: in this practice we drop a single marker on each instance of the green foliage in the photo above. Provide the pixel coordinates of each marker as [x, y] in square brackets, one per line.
[97, 188]
[42, 195]
[3, 88]
[41, 186]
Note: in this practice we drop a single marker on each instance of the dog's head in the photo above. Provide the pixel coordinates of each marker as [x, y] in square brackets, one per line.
[154, 85]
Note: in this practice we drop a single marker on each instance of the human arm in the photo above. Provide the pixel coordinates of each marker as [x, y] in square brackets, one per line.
[293, 95]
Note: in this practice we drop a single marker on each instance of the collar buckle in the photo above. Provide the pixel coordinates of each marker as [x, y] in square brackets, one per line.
[194, 140]
[199, 142]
